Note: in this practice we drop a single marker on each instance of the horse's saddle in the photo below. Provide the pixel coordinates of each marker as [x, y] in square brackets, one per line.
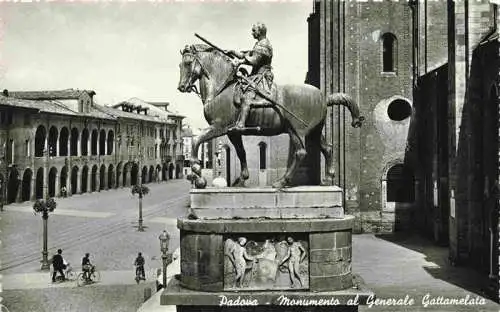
[258, 89]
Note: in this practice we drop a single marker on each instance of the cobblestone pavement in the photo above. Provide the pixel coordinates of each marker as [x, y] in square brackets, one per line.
[103, 224]
[99, 223]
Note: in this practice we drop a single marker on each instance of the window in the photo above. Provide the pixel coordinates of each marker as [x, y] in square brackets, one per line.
[399, 110]
[389, 52]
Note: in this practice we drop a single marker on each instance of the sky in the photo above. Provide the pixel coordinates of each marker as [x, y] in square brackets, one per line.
[131, 49]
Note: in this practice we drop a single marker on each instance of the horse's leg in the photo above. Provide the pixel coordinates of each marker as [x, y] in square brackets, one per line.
[206, 134]
[327, 151]
[235, 138]
[300, 154]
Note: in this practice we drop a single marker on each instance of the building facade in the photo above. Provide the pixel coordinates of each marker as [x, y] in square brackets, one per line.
[62, 143]
[426, 75]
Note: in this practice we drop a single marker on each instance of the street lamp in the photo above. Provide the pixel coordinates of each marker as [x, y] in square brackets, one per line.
[164, 240]
[44, 207]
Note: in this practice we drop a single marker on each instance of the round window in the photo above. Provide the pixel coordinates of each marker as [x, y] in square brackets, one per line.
[399, 110]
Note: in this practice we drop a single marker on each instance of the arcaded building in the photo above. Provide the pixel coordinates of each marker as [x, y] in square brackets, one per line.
[426, 77]
[56, 141]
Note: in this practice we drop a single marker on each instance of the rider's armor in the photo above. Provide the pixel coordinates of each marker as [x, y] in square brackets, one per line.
[260, 57]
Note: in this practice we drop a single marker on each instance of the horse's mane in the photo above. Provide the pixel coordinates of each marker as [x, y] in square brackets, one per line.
[200, 48]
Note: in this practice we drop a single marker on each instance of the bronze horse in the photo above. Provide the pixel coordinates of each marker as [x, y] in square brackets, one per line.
[301, 110]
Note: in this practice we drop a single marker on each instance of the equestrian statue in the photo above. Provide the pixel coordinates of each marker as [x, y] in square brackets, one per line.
[236, 103]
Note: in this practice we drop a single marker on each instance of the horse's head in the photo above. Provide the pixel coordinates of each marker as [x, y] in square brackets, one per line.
[190, 69]
[199, 61]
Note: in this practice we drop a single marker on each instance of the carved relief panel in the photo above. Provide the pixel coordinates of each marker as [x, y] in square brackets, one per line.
[266, 261]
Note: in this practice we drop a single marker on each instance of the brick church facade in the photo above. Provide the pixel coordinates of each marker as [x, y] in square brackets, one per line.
[425, 74]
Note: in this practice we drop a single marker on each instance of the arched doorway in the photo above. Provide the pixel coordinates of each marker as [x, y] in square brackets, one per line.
[74, 180]
[93, 179]
[171, 169]
[110, 142]
[93, 143]
[63, 142]
[40, 135]
[102, 142]
[151, 174]
[164, 172]
[178, 171]
[74, 142]
[111, 177]
[85, 178]
[144, 175]
[52, 141]
[63, 178]
[119, 175]
[158, 173]
[126, 182]
[39, 184]
[102, 176]
[84, 143]
[52, 182]
[400, 184]
[133, 174]
[26, 186]
[13, 185]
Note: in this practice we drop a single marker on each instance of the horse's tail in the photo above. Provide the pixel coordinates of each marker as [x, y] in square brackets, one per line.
[347, 101]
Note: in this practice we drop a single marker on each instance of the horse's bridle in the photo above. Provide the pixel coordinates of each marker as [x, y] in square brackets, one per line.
[192, 73]
[203, 72]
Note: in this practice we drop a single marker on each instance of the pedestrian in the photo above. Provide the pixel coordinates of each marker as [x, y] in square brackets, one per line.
[139, 266]
[64, 192]
[58, 264]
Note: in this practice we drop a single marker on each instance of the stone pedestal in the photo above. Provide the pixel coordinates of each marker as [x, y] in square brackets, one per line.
[266, 250]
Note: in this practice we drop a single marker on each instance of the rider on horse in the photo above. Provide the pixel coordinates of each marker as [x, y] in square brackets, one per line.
[260, 58]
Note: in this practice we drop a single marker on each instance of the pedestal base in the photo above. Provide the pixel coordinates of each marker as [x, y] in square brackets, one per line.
[266, 301]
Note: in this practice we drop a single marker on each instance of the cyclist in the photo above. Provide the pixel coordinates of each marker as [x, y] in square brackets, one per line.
[139, 266]
[87, 267]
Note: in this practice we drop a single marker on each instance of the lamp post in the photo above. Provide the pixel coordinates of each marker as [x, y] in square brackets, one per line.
[164, 241]
[141, 190]
[44, 207]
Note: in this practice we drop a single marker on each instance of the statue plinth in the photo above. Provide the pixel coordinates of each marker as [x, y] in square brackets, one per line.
[296, 202]
[262, 246]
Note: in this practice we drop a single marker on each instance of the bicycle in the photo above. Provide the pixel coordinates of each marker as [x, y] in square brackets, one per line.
[69, 274]
[138, 275]
[94, 277]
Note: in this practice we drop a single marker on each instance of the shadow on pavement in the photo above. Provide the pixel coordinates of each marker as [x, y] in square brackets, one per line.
[464, 277]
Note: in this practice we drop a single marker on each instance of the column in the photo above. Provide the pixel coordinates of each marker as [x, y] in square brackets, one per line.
[98, 180]
[69, 149]
[79, 181]
[57, 188]
[58, 152]
[79, 146]
[32, 187]
[19, 189]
